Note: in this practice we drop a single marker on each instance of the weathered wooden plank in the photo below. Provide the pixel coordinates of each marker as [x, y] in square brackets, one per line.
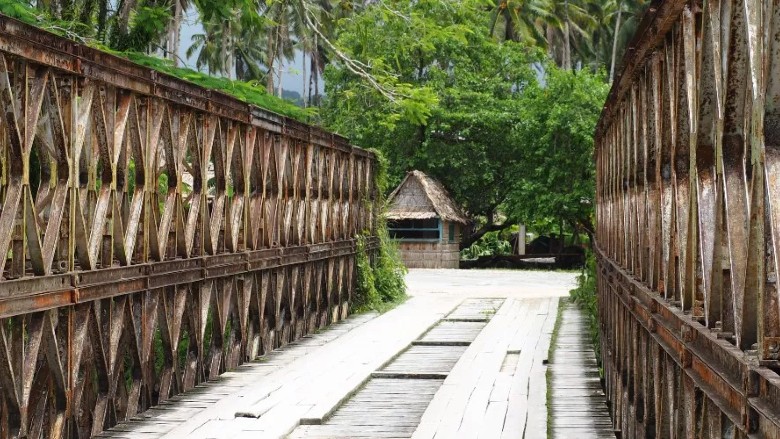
[375, 412]
[578, 403]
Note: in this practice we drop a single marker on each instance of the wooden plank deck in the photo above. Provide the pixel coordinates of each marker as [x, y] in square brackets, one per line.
[302, 382]
[177, 411]
[578, 404]
[452, 332]
[391, 404]
[425, 360]
[497, 388]
[476, 309]
[383, 408]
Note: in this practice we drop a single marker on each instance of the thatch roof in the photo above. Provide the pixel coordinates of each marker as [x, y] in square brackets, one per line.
[421, 197]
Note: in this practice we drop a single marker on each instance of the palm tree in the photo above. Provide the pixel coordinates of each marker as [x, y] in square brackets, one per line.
[287, 29]
[520, 20]
[208, 48]
[615, 22]
[562, 27]
[630, 11]
[571, 30]
[615, 40]
[234, 50]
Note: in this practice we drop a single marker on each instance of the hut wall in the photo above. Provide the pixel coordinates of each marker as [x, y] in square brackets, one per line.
[429, 254]
[433, 254]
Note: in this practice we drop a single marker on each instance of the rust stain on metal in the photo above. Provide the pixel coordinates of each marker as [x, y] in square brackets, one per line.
[688, 210]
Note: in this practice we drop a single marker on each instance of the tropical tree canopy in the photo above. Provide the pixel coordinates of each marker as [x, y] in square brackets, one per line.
[554, 132]
[502, 127]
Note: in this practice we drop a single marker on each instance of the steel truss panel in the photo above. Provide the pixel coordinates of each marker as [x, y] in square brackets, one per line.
[688, 235]
[155, 234]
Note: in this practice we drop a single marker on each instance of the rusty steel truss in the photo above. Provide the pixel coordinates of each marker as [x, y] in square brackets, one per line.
[155, 234]
[688, 207]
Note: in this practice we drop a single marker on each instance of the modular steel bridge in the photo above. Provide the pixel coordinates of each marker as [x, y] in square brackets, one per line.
[688, 207]
[154, 234]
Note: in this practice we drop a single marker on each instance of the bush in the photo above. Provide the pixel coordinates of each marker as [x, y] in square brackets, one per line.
[380, 275]
[490, 244]
[389, 269]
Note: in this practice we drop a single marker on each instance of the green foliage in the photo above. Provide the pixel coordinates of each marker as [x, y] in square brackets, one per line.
[389, 270]
[510, 135]
[459, 134]
[249, 92]
[366, 296]
[572, 32]
[585, 296]
[21, 10]
[148, 24]
[490, 244]
[230, 38]
[18, 10]
[555, 131]
[380, 276]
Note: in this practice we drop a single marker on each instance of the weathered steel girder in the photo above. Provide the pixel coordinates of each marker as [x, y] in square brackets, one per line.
[688, 209]
[155, 234]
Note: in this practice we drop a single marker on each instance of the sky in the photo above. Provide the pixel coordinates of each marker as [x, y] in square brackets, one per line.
[291, 77]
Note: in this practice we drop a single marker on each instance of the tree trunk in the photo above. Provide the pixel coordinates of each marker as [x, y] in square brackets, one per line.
[271, 54]
[317, 69]
[86, 12]
[303, 90]
[509, 26]
[279, 79]
[615, 42]
[225, 52]
[562, 237]
[102, 20]
[550, 31]
[231, 65]
[566, 38]
[521, 230]
[227, 59]
[312, 73]
[174, 32]
[123, 20]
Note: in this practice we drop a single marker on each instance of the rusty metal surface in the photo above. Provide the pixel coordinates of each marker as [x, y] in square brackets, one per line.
[688, 209]
[155, 234]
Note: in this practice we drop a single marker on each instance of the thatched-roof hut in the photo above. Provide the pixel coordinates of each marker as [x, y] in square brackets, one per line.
[426, 222]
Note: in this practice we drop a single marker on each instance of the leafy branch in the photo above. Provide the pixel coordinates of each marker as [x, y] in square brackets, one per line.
[355, 67]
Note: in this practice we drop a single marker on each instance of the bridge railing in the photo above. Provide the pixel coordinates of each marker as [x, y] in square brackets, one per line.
[154, 234]
[688, 207]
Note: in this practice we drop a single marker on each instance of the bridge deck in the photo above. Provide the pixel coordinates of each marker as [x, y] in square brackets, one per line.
[453, 364]
[578, 404]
